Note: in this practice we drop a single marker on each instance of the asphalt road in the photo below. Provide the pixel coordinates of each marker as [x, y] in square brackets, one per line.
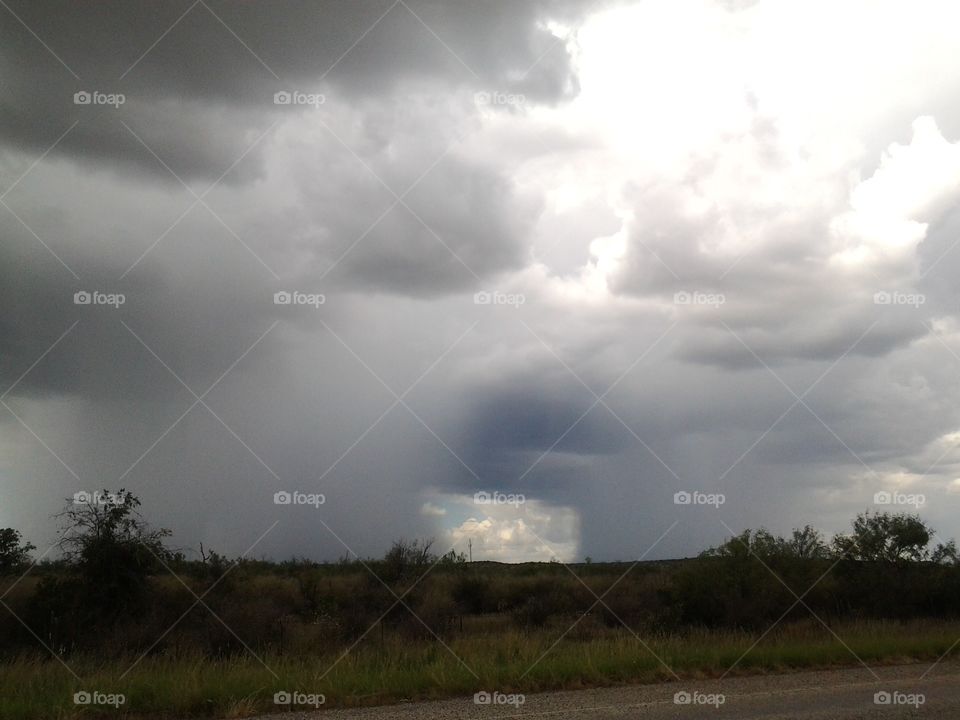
[844, 694]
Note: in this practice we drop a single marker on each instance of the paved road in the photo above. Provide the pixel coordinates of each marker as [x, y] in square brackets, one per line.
[847, 694]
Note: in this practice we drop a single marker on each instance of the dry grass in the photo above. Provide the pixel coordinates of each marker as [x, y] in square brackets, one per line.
[396, 669]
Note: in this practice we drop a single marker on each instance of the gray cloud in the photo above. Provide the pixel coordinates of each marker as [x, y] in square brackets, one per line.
[595, 203]
[199, 78]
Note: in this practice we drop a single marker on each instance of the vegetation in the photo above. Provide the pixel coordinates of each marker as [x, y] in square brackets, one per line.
[14, 553]
[216, 637]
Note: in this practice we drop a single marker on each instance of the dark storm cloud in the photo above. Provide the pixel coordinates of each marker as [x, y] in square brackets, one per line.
[200, 101]
[198, 309]
[525, 425]
[401, 195]
[414, 218]
[199, 78]
[525, 419]
[825, 342]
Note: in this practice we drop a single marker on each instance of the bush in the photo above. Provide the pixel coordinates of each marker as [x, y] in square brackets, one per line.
[14, 553]
[472, 595]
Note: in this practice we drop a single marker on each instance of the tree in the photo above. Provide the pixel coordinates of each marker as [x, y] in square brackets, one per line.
[946, 554]
[882, 536]
[453, 558]
[407, 558]
[760, 543]
[807, 544]
[14, 553]
[115, 550]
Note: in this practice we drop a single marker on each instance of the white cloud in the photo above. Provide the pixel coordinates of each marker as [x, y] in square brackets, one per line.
[531, 532]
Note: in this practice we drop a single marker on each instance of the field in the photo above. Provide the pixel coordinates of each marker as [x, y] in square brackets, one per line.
[125, 627]
[337, 631]
[392, 669]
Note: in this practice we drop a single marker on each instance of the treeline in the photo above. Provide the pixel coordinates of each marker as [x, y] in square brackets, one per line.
[885, 568]
[118, 589]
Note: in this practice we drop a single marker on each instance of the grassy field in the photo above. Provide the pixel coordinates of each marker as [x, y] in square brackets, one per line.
[133, 633]
[392, 669]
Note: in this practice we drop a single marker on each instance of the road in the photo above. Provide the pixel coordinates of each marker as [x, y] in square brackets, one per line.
[845, 694]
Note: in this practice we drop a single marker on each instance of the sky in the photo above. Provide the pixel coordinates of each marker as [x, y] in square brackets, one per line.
[538, 279]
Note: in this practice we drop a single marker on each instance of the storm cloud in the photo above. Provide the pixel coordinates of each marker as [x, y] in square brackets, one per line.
[509, 272]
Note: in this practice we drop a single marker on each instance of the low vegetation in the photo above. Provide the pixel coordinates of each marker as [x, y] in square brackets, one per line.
[119, 612]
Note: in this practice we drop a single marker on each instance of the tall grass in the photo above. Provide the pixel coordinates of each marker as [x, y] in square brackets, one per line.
[393, 669]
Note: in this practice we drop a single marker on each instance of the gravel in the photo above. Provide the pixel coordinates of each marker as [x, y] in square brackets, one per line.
[843, 694]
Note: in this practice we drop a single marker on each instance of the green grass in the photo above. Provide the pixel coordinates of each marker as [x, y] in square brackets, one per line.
[381, 672]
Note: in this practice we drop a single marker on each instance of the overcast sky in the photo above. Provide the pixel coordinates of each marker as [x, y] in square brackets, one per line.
[579, 256]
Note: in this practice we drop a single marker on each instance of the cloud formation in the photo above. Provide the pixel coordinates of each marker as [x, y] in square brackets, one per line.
[706, 261]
